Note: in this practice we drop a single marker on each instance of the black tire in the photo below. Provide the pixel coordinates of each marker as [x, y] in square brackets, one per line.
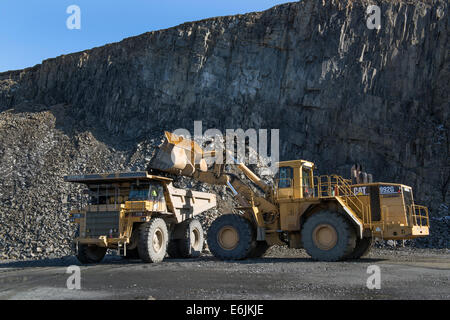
[153, 240]
[173, 249]
[191, 245]
[237, 225]
[132, 249]
[90, 253]
[132, 254]
[336, 247]
[259, 250]
[362, 248]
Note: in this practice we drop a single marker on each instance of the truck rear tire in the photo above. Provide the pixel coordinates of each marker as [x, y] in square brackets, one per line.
[153, 240]
[230, 237]
[90, 253]
[328, 236]
[362, 248]
[259, 250]
[191, 245]
[173, 249]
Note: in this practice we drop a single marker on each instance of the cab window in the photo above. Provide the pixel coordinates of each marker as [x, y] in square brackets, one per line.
[156, 192]
[143, 192]
[306, 177]
[306, 183]
[285, 177]
[140, 194]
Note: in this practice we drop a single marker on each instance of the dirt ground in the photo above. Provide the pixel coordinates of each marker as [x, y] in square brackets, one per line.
[281, 274]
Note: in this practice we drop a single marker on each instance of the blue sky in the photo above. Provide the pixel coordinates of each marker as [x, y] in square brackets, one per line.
[34, 30]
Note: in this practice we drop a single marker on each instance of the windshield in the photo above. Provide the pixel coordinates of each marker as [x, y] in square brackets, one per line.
[306, 177]
[308, 191]
[153, 192]
[139, 195]
[115, 194]
[285, 177]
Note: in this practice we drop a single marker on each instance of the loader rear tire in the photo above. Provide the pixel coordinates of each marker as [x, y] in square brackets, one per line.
[328, 236]
[259, 250]
[230, 237]
[362, 248]
[153, 240]
[191, 245]
[90, 253]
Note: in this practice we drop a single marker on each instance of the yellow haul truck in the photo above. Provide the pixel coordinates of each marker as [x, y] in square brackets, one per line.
[139, 215]
[331, 217]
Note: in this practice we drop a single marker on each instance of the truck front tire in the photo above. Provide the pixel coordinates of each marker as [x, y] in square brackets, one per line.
[153, 240]
[90, 253]
[230, 237]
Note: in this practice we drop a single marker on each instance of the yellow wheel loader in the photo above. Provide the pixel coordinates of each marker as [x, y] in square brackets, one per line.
[139, 215]
[332, 218]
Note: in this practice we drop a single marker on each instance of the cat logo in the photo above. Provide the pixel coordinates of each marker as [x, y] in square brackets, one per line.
[360, 191]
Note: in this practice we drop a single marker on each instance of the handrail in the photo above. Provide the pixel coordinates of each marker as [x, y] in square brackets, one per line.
[417, 212]
[327, 186]
[351, 196]
[335, 185]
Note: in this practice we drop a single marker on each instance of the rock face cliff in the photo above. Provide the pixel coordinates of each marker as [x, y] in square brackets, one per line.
[339, 92]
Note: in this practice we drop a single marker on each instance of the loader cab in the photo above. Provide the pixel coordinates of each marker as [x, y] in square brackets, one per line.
[295, 180]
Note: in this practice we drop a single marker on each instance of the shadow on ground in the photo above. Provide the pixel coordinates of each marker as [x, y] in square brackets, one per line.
[116, 260]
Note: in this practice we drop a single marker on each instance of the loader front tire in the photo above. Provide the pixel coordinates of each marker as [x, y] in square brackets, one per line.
[153, 240]
[362, 248]
[230, 237]
[328, 236]
[90, 253]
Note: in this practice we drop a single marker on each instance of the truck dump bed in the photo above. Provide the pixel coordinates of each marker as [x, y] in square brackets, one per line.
[183, 203]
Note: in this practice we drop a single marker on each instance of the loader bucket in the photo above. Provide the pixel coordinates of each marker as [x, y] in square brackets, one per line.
[178, 155]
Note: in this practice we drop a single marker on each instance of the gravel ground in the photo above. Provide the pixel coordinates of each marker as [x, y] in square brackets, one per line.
[283, 274]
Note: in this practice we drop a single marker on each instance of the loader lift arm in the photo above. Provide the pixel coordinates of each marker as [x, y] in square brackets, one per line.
[230, 236]
[185, 157]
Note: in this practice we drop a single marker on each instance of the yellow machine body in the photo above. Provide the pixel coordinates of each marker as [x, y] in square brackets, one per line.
[118, 202]
[383, 210]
